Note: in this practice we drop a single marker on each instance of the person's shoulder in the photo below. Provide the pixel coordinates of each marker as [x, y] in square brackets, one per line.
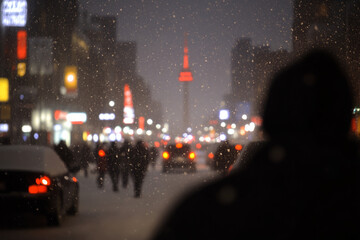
[215, 193]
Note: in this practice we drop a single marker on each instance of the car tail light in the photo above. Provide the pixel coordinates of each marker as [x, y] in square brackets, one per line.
[35, 189]
[101, 153]
[41, 185]
[211, 155]
[192, 155]
[238, 147]
[43, 181]
[166, 155]
[74, 179]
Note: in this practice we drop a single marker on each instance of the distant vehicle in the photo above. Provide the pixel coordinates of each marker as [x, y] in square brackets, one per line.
[34, 179]
[211, 150]
[210, 154]
[178, 156]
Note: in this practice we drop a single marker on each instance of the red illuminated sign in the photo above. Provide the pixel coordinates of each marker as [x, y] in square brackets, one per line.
[185, 74]
[129, 113]
[142, 123]
[60, 115]
[127, 97]
[21, 45]
[185, 77]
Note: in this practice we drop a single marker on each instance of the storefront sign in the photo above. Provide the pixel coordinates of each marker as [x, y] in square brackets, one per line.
[14, 13]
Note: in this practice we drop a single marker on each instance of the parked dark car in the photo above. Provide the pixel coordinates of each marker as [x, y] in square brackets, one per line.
[34, 179]
[178, 156]
[210, 150]
[247, 154]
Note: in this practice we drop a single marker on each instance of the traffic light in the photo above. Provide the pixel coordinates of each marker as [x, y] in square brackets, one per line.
[70, 79]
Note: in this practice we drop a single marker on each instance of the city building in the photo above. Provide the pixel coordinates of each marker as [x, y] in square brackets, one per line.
[60, 70]
[251, 69]
[330, 24]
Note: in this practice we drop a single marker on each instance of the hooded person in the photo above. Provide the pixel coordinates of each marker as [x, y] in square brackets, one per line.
[303, 183]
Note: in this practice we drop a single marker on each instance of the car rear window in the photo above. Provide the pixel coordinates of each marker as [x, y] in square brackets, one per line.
[31, 158]
[178, 151]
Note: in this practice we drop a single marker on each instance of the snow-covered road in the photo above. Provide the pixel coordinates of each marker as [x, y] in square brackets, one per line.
[104, 214]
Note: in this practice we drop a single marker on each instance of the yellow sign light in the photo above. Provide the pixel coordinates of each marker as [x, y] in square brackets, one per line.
[70, 80]
[4, 90]
[21, 69]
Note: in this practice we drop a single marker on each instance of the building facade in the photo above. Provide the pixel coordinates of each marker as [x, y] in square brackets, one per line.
[330, 24]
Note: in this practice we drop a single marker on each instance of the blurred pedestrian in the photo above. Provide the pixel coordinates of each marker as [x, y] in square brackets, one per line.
[67, 156]
[225, 156]
[101, 164]
[114, 165]
[139, 166]
[85, 158]
[125, 153]
[303, 183]
[153, 155]
[76, 152]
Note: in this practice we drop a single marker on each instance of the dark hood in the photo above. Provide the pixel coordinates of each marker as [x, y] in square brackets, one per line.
[311, 97]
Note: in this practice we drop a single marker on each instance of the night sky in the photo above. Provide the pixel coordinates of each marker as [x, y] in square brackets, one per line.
[213, 25]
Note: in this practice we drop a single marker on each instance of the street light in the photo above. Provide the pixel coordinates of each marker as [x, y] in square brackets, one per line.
[70, 80]
[149, 121]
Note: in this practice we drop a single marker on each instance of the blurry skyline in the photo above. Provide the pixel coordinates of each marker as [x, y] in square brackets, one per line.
[213, 25]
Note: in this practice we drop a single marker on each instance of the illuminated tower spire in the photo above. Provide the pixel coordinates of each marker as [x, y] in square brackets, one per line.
[185, 74]
[186, 77]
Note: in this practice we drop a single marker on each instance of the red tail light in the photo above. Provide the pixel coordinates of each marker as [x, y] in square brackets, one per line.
[35, 189]
[211, 155]
[192, 155]
[43, 181]
[101, 153]
[74, 179]
[166, 155]
[238, 147]
[41, 185]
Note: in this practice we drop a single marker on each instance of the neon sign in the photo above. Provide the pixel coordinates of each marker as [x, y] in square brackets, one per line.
[76, 117]
[129, 113]
[14, 13]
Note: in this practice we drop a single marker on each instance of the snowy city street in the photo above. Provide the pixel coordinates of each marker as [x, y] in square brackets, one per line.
[104, 214]
[179, 119]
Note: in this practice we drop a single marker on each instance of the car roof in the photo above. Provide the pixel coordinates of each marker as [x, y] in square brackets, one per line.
[31, 158]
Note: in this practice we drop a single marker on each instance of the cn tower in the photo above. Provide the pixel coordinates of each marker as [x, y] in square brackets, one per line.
[185, 77]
